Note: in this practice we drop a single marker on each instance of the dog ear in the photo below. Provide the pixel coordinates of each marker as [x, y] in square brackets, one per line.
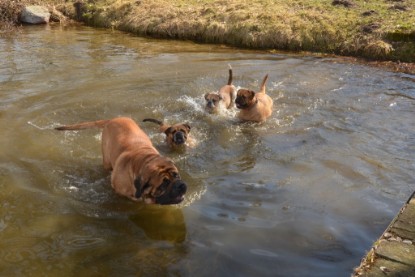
[168, 130]
[139, 188]
[251, 94]
[187, 126]
[206, 95]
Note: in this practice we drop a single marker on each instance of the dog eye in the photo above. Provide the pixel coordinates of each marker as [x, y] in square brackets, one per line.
[175, 175]
[164, 185]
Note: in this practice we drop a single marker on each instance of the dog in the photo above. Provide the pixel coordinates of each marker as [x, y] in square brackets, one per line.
[139, 172]
[176, 135]
[222, 99]
[254, 106]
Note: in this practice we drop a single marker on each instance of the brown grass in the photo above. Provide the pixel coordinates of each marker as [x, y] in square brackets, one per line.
[295, 25]
[9, 15]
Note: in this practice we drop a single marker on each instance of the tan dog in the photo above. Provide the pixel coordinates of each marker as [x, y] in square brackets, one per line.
[176, 135]
[223, 99]
[254, 106]
[139, 172]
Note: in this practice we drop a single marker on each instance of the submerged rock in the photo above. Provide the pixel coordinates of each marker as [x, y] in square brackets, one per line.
[35, 15]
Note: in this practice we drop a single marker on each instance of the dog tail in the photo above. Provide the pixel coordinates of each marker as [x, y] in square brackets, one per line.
[153, 120]
[230, 75]
[263, 84]
[83, 125]
[163, 127]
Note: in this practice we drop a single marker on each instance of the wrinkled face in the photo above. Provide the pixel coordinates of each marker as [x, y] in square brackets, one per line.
[160, 183]
[244, 98]
[176, 135]
[212, 102]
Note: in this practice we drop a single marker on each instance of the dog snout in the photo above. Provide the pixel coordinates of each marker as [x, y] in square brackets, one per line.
[179, 187]
[239, 102]
[210, 104]
[179, 138]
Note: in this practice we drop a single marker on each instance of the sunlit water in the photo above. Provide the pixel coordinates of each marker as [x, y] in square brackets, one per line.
[305, 194]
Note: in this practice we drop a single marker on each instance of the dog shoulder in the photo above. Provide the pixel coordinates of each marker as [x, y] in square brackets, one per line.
[265, 98]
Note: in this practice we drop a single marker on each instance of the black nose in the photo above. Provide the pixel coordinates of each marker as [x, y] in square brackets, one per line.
[179, 188]
[179, 138]
[210, 104]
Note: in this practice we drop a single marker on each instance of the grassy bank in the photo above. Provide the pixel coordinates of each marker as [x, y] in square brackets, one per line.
[9, 14]
[376, 29]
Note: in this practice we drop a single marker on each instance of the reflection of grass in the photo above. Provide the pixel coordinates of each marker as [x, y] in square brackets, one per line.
[289, 25]
[384, 32]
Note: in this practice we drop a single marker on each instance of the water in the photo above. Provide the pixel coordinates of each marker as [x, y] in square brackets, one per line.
[305, 194]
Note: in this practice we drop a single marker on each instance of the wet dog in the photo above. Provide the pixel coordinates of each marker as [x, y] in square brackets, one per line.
[222, 99]
[139, 172]
[254, 106]
[176, 135]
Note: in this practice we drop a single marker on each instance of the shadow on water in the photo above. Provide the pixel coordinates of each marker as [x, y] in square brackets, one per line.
[161, 223]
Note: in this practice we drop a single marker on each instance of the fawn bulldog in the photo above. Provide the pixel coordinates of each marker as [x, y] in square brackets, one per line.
[176, 135]
[139, 172]
[223, 99]
[254, 106]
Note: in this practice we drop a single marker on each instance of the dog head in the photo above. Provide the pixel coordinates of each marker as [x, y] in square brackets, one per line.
[212, 102]
[176, 135]
[245, 98]
[160, 183]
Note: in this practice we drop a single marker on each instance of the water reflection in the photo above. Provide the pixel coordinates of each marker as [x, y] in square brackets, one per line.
[161, 223]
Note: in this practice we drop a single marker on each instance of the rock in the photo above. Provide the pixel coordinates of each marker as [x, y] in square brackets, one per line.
[370, 28]
[398, 252]
[35, 15]
[369, 13]
[399, 7]
[346, 3]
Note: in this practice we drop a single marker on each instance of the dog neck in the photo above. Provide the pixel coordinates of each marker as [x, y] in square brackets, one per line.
[137, 164]
[253, 104]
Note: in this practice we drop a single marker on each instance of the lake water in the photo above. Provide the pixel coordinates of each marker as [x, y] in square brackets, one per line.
[304, 194]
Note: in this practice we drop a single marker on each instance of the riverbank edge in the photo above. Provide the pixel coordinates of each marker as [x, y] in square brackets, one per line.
[121, 18]
[393, 254]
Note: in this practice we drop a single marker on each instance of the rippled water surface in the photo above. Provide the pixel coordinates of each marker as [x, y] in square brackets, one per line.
[304, 194]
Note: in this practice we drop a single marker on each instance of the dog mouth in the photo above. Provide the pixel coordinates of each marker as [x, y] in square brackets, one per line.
[176, 200]
[240, 106]
[153, 200]
[174, 196]
[179, 138]
[211, 109]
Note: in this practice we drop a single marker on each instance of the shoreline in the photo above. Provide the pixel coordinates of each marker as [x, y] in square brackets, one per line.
[313, 27]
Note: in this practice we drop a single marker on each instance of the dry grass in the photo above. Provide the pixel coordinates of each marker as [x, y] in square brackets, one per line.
[9, 15]
[308, 25]
[10, 11]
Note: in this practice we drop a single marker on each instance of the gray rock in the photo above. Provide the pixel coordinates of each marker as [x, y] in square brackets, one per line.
[35, 15]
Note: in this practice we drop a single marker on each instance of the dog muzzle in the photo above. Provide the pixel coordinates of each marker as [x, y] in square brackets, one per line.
[175, 195]
[179, 138]
[240, 104]
[210, 104]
